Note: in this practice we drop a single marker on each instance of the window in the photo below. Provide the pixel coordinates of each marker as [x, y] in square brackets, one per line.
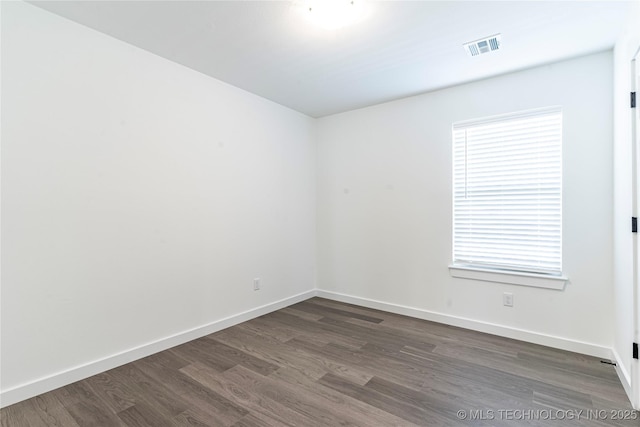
[507, 193]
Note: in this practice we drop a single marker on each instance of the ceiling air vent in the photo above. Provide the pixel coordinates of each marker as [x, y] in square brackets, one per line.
[485, 45]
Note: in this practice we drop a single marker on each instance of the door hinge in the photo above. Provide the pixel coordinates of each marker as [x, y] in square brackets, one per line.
[634, 224]
[633, 100]
[635, 350]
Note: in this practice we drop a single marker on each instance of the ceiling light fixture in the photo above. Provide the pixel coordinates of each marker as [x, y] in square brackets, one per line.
[485, 45]
[332, 14]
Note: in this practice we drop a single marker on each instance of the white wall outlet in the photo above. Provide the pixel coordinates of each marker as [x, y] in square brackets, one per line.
[256, 284]
[507, 299]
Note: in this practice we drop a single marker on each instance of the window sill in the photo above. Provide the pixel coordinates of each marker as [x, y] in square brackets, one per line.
[510, 277]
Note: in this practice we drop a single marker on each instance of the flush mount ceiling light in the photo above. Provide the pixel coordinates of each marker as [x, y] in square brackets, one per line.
[332, 14]
[485, 45]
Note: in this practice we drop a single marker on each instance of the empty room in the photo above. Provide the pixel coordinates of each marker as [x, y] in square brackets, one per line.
[319, 213]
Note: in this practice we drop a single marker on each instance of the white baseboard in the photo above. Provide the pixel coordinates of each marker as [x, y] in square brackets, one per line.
[60, 379]
[476, 325]
[623, 374]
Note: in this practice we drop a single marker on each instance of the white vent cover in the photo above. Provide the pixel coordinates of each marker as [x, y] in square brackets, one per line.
[485, 45]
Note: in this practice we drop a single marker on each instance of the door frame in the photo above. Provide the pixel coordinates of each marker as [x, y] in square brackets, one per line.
[635, 208]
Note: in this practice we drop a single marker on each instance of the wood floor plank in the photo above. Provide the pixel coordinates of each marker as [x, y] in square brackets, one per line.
[87, 407]
[142, 415]
[311, 306]
[378, 337]
[301, 314]
[391, 368]
[257, 421]
[314, 330]
[435, 403]
[239, 357]
[193, 352]
[279, 331]
[88, 414]
[469, 381]
[189, 419]
[368, 414]
[287, 355]
[52, 411]
[324, 363]
[43, 410]
[198, 397]
[407, 411]
[238, 385]
[347, 307]
[338, 366]
[314, 406]
[115, 394]
[268, 404]
[151, 391]
[539, 372]
[15, 415]
[166, 359]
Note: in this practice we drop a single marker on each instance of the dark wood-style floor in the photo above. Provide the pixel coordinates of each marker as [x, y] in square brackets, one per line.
[324, 363]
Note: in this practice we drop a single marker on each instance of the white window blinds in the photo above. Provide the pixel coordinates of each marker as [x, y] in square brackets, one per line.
[507, 192]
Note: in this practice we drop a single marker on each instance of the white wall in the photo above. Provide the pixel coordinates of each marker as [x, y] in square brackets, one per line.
[384, 207]
[139, 200]
[624, 51]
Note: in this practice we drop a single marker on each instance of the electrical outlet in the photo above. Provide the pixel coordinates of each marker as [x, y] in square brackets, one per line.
[507, 299]
[256, 284]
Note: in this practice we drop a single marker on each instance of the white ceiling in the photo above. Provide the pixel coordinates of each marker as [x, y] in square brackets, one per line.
[402, 48]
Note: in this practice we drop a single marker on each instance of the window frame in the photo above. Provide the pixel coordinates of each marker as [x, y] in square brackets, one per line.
[496, 273]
